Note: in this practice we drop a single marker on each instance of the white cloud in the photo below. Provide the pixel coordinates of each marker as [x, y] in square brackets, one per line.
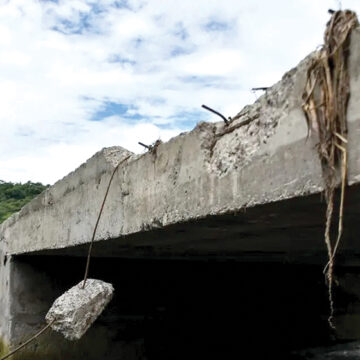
[60, 61]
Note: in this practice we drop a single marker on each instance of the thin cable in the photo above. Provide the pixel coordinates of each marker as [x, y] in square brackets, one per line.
[97, 223]
[28, 341]
[86, 268]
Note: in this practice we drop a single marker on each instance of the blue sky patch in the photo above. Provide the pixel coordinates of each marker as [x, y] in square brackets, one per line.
[188, 119]
[180, 31]
[96, 8]
[115, 58]
[84, 22]
[215, 25]
[67, 27]
[24, 132]
[156, 100]
[206, 81]
[121, 4]
[138, 42]
[110, 108]
[178, 51]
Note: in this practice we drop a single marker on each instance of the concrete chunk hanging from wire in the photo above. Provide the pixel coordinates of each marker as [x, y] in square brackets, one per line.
[74, 311]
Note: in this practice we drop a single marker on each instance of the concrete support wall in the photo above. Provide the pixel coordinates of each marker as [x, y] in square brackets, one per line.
[5, 318]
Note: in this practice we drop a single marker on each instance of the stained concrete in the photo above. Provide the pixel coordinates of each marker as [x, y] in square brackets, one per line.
[213, 170]
[243, 193]
[5, 315]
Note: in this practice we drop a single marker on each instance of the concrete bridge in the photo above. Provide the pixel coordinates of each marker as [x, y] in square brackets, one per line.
[213, 240]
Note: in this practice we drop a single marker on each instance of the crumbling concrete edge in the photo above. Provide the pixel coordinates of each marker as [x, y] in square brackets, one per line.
[212, 170]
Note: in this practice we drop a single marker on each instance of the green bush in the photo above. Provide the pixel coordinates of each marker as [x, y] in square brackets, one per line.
[13, 196]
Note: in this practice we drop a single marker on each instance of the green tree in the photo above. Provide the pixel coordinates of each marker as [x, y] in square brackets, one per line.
[13, 196]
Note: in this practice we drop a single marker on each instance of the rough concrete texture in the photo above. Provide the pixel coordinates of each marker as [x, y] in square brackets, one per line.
[211, 170]
[4, 302]
[79, 307]
[214, 169]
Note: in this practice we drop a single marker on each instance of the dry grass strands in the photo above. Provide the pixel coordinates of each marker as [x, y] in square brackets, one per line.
[326, 97]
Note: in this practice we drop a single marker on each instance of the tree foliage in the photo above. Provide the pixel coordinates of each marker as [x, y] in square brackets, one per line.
[13, 196]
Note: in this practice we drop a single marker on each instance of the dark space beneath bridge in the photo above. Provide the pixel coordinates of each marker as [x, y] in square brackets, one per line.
[198, 309]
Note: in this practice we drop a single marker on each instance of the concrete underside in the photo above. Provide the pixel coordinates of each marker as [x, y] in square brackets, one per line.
[289, 231]
[212, 240]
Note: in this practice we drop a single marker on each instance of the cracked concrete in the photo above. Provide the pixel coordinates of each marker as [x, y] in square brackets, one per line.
[189, 196]
[213, 169]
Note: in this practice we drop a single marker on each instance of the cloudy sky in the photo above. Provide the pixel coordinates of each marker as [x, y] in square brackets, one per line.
[79, 75]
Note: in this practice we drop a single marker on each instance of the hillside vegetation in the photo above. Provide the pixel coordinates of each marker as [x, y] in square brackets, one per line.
[13, 196]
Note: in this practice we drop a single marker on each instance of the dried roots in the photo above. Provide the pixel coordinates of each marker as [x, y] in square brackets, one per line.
[325, 98]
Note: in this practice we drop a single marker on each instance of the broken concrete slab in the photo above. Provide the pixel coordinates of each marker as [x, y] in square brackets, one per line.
[74, 311]
[270, 168]
[213, 170]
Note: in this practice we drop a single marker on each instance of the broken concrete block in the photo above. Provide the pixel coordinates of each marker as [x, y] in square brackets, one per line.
[78, 308]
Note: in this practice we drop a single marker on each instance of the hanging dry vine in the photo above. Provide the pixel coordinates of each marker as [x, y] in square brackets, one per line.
[326, 97]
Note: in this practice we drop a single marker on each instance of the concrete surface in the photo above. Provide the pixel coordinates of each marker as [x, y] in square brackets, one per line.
[196, 174]
[211, 170]
[5, 318]
[76, 309]
[248, 191]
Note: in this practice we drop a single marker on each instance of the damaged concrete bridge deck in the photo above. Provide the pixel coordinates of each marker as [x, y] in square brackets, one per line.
[249, 193]
[217, 188]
